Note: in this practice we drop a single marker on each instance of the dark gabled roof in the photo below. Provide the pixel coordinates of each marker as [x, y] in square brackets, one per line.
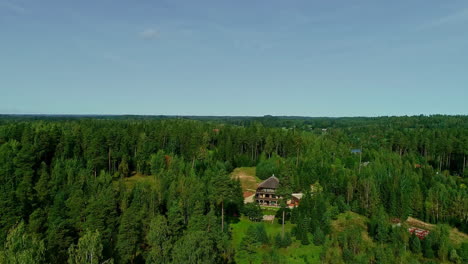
[270, 183]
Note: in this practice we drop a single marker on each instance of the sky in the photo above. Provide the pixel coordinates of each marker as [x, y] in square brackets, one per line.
[243, 57]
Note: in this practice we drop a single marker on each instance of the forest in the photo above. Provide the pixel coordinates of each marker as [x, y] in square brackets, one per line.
[158, 189]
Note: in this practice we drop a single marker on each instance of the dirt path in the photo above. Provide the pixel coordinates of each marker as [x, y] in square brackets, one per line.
[418, 223]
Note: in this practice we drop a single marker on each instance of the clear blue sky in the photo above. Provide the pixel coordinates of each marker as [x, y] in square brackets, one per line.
[278, 57]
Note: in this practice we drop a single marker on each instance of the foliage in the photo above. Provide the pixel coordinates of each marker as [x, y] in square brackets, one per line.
[283, 242]
[88, 250]
[159, 240]
[253, 212]
[137, 180]
[463, 252]
[22, 247]
[268, 167]
[415, 244]
[250, 243]
[319, 236]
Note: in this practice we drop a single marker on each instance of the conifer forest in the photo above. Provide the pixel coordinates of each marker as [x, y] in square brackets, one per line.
[162, 189]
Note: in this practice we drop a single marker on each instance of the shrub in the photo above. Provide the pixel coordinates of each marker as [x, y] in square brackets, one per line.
[283, 242]
[253, 212]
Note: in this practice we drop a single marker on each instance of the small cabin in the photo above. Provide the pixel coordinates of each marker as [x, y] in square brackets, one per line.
[295, 199]
[420, 233]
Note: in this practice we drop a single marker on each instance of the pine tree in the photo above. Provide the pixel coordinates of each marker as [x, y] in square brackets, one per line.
[415, 244]
[128, 238]
[427, 250]
[319, 236]
[43, 185]
[159, 240]
[261, 235]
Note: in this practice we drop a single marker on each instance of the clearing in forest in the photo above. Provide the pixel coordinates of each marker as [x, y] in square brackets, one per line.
[248, 181]
[131, 181]
[456, 236]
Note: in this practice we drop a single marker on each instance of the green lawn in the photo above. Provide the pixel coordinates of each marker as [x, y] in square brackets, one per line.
[130, 182]
[269, 210]
[296, 253]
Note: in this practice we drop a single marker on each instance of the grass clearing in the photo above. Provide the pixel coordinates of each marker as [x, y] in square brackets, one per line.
[269, 210]
[247, 177]
[345, 219]
[137, 178]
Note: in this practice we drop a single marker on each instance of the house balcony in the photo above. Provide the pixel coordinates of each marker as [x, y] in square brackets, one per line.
[267, 201]
[267, 196]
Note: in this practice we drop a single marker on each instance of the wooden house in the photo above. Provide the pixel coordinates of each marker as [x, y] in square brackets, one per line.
[266, 192]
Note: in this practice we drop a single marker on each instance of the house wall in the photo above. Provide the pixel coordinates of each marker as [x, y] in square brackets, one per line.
[266, 197]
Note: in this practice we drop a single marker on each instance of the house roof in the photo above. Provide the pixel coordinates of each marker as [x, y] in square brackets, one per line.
[298, 195]
[270, 183]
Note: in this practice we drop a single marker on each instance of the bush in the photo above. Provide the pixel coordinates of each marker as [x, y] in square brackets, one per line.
[273, 257]
[253, 212]
[261, 235]
[454, 256]
[283, 242]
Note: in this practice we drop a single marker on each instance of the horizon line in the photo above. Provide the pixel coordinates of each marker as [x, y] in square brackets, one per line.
[221, 116]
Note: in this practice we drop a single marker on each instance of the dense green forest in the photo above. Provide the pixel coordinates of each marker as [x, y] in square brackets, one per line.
[142, 189]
